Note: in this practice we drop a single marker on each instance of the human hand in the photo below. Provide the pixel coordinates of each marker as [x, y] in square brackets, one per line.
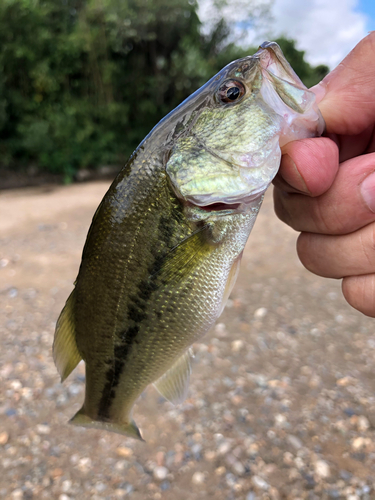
[326, 186]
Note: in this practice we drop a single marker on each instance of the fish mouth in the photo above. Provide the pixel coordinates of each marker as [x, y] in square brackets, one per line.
[220, 207]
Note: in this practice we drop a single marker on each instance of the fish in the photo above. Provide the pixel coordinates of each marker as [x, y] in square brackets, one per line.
[164, 248]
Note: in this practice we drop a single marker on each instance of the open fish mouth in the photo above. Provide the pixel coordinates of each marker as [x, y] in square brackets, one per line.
[222, 207]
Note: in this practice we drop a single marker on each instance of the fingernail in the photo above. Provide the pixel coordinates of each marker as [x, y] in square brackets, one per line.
[368, 191]
[295, 179]
[320, 91]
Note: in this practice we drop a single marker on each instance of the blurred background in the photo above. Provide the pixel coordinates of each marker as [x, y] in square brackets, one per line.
[83, 81]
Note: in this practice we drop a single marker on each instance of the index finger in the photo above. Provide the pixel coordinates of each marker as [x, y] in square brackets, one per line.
[346, 95]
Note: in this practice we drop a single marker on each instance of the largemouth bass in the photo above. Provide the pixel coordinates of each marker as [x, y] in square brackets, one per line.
[164, 247]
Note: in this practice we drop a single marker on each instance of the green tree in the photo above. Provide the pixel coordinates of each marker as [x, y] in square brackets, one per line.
[83, 81]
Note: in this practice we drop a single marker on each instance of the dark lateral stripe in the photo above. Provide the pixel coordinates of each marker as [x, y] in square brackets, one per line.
[138, 308]
[137, 313]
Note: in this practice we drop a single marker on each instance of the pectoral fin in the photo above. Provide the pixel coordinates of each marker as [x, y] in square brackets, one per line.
[173, 385]
[65, 350]
[232, 277]
[183, 258]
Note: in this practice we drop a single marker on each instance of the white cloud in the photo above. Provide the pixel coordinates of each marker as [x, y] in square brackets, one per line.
[325, 29]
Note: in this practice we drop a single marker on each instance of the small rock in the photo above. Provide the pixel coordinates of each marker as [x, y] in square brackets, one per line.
[359, 443]
[251, 496]
[237, 345]
[57, 472]
[99, 486]
[220, 330]
[198, 478]
[160, 458]
[260, 483]
[165, 485]
[344, 381]
[294, 441]
[209, 455]
[363, 424]
[260, 313]
[84, 464]
[124, 452]
[17, 494]
[66, 485]
[43, 429]
[74, 389]
[238, 468]
[252, 449]
[64, 497]
[4, 438]
[280, 420]
[120, 493]
[160, 473]
[220, 471]
[322, 469]
[224, 448]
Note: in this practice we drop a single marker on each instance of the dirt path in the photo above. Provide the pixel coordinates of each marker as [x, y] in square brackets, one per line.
[281, 403]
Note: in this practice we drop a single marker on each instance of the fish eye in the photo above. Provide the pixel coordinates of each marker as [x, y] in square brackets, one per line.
[231, 91]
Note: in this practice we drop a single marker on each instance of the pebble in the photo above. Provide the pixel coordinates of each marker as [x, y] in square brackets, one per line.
[224, 448]
[84, 464]
[160, 472]
[17, 494]
[363, 423]
[294, 441]
[124, 452]
[260, 483]
[360, 442]
[66, 485]
[237, 345]
[322, 469]
[220, 471]
[4, 438]
[260, 313]
[120, 493]
[75, 389]
[43, 429]
[198, 478]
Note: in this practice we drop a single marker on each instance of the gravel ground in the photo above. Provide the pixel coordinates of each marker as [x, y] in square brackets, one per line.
[281, 403]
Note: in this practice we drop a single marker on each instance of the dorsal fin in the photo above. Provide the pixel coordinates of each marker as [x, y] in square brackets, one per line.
[173, 385]
[65, 350]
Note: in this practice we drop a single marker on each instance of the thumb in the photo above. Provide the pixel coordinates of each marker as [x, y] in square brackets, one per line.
[346, 95]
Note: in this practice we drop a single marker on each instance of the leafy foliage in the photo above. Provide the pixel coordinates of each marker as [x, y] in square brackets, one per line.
[83, 81]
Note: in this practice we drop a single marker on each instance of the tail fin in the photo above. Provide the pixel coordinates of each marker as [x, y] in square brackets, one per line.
[129, 429]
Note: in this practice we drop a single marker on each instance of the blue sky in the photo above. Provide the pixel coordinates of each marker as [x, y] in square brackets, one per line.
[368, 8]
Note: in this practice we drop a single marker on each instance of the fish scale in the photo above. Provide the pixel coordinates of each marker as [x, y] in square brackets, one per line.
[165, 244]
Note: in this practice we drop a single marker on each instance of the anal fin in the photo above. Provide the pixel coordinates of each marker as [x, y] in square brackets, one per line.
[173, 385]
[65, 350]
